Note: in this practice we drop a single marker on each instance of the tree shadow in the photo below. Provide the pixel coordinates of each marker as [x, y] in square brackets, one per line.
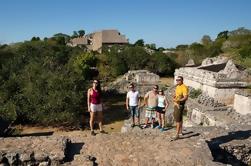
[221, 155]
[115, 108]
[32, 134]
[4, 126]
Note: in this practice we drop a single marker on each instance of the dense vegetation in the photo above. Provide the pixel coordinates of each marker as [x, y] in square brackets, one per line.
[234, 44]
[44, 81]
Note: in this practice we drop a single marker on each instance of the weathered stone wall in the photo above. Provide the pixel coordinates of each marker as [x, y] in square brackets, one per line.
[216, 85]
[147, 78]
[143, 80]
[43, 150]
[224, 95]
[242, 104]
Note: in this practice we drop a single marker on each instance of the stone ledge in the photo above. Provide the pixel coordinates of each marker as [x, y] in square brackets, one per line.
[240, 149]
[48, 150]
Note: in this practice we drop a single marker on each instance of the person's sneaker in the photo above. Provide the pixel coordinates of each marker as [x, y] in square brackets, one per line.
[158, 127]
[162, 129]
[92, 133]
[152, 126]
[181, 134]
[144, 126]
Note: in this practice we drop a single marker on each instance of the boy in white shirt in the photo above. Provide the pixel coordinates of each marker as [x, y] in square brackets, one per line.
[132, 104]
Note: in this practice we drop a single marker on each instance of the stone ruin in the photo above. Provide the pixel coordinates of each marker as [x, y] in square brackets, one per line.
[218, 78]
[143, 80]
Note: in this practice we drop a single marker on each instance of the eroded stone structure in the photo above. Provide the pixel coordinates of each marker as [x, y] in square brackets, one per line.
[219, 78]
[31, 150]
[96, 40]
[242, 103]
[143, 79]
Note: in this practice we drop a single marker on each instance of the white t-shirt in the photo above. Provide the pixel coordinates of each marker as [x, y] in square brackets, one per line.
[161, 101]
[133, 98]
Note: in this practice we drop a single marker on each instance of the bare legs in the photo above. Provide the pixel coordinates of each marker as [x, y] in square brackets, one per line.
[91, 120]
[100, 120]
[161, 119]
[147, 120]
[162, 116]
[99, 115]
[137, 120]
[179, 128]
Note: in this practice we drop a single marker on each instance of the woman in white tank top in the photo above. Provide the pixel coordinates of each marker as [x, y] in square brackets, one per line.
[161, 110]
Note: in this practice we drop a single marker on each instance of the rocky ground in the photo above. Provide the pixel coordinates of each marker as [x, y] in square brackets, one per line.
[227, 142]
[199, 146]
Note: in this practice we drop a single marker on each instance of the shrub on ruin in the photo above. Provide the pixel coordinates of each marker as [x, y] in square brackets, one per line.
[194, 93]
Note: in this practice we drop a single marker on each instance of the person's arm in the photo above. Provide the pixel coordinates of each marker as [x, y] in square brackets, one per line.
[88, 99]
[139, 101]
[145, 100]
[184, 98]
[166, 103]
[127, 102]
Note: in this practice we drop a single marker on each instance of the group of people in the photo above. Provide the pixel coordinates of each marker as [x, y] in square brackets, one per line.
[155, 103]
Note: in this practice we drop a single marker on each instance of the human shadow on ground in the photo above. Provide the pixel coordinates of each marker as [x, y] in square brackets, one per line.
[189, 135]
[72, 150]
[221, 155]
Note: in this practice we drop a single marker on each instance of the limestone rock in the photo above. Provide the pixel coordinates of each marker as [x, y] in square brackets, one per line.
[190, 63]
[33, 150]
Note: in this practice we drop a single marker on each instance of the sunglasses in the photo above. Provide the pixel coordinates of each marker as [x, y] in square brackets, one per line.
[178, 79]
[95, 82]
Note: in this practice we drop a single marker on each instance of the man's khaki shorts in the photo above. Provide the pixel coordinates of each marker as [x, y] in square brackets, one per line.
[178, 112]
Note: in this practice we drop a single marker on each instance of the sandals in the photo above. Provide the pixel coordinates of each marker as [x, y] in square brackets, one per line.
[103, 132]
[176, 137]
[92, 133]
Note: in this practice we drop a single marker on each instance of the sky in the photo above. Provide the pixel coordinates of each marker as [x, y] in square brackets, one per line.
[167, 23]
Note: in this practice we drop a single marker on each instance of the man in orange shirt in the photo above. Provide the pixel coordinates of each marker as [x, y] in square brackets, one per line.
[179, 99]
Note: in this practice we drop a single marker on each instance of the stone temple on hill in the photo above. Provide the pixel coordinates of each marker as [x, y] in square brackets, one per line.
[220, 79]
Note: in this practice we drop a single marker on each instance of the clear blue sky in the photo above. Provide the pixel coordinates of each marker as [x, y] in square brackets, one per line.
[164, 22]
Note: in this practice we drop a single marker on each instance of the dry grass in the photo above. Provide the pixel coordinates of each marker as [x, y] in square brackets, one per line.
[166, 81]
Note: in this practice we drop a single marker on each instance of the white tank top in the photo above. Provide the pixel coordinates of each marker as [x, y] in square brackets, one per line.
[161, 101]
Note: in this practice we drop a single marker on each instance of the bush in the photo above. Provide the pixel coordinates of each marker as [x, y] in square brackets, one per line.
[8, 112]
[43, 82]
[194, 93]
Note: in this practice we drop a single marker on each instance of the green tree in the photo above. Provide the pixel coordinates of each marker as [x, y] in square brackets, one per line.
[81, 32]
[35, 38]
[164, 65]
[75, 34]
[223, 34]
[206, 40]
[151, 46]
[181, 47]
[82, 64]
[140, 43]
